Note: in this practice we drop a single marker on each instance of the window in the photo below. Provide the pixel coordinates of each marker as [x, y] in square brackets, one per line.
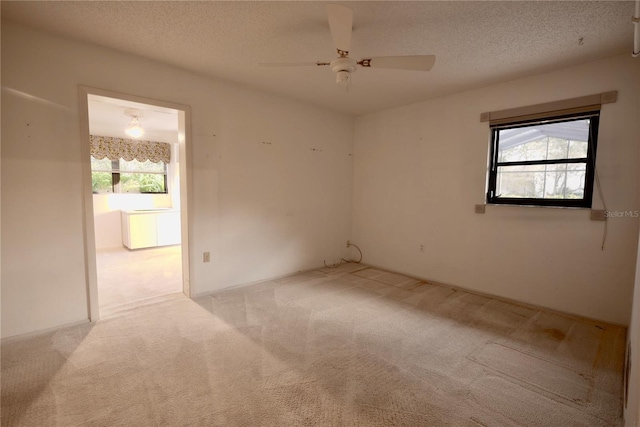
[122, 176]
[120, 165]
[546, 161]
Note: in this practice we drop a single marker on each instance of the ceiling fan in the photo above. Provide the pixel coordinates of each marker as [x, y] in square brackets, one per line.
[341, 25]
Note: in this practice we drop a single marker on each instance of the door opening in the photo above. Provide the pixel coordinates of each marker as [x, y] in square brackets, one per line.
[136, 173]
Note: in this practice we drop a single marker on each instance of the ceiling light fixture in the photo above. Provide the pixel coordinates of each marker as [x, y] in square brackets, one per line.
[342, 78]
[343, 67]
[134, 130]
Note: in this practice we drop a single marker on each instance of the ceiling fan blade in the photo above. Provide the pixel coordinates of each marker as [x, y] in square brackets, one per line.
[413, 62]
[292, 64]
[340, 24]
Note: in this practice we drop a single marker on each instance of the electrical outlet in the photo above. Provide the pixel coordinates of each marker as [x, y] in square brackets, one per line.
[421, 248]
[206, 257]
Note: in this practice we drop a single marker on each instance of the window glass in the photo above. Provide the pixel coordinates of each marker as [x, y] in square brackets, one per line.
[102, 182]
[121, 176]
[559, 181]
[142, 183]
[563, 140]
[546, 163]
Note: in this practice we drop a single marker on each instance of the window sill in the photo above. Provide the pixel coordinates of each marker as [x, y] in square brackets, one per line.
[506, 205]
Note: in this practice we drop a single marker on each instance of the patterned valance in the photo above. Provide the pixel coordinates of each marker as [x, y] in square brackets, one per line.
[129, 149]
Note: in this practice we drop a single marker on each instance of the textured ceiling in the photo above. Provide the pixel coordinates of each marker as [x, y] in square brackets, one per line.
[476, 43]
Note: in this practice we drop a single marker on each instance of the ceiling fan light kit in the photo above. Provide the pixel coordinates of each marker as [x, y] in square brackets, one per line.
[134, 129]
[341, 26]
[343, 67]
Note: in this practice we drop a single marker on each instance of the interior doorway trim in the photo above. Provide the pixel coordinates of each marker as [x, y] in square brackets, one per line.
[184, 144]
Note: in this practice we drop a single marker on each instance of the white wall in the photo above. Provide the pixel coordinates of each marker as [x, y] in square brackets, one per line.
[262, 210]
[632, 408]
[420, 169]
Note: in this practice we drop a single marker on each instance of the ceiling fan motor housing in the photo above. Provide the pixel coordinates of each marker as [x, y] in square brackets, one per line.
[343, 64]
[343, 67]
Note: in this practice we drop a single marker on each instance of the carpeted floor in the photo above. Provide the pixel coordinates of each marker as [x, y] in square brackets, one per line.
[126, 277]
[345, 347]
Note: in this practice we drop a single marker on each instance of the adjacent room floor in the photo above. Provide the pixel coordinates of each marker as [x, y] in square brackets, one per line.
[347, 346]
[127, 278]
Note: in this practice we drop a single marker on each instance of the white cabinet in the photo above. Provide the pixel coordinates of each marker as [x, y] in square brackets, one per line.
[141, 231]
[146, 229]
[168, 227]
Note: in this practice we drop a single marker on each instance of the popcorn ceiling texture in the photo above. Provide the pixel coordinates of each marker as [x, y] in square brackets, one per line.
[347, 346]
[476, 43]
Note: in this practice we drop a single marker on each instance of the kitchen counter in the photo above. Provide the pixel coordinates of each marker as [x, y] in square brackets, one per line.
[146, 228]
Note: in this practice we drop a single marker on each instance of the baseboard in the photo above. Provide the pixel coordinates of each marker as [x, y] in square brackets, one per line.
[26, 335]
[255, 282]
[501, 298]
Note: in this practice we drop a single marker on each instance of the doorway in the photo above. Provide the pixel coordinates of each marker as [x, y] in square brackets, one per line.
[136, 172]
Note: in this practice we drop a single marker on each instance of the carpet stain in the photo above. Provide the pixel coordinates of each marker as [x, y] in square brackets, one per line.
[554, 333]
[349, 346]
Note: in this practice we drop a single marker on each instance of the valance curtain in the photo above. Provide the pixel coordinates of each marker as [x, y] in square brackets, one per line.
[129, 149]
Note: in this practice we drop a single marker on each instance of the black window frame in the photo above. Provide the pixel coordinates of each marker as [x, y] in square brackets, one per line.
[590, 161]
[115, 178]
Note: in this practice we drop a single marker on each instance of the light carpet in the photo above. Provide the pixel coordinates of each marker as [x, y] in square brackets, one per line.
[352, 346]
[128, 277]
